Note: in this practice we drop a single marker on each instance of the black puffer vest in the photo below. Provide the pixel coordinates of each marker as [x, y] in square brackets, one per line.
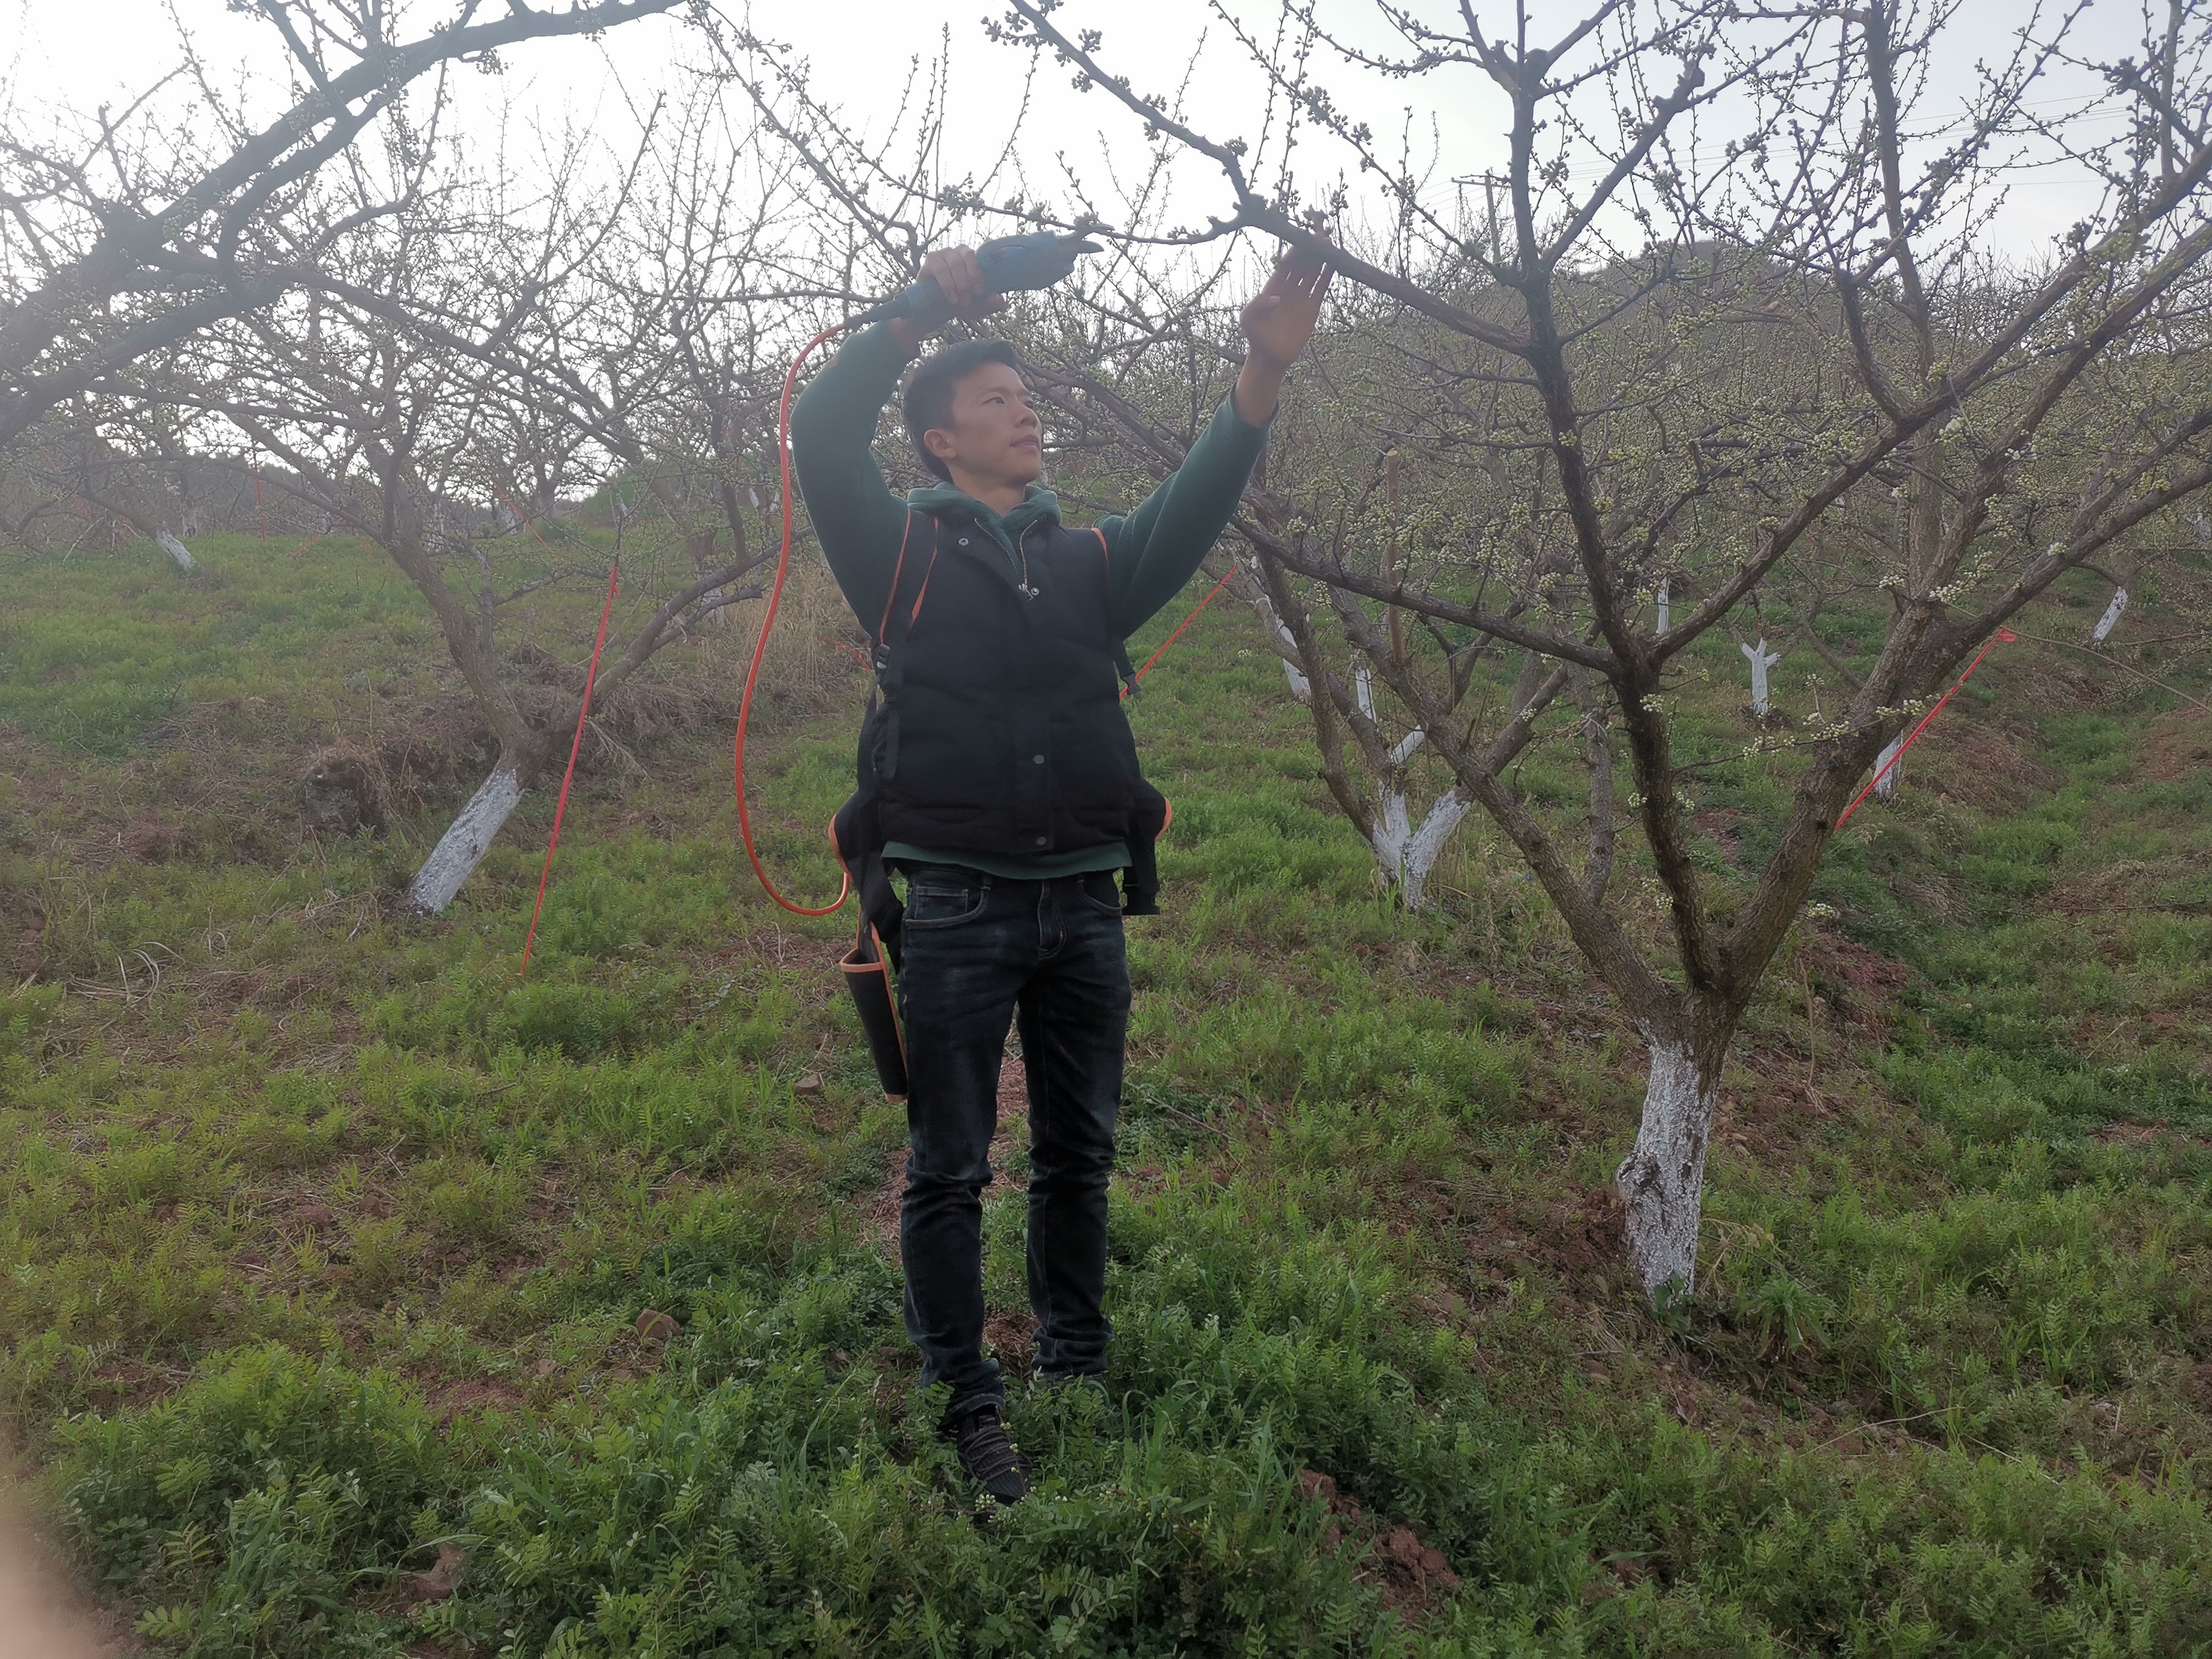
[1000, 728]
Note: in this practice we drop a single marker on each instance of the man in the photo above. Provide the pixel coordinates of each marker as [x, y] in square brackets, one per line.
[1009, 794]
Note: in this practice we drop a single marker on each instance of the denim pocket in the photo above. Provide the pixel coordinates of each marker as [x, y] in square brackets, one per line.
[933, 902]
[1101, 893]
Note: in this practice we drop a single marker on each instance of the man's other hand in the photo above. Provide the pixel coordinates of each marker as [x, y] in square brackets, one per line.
[1281, 317]
[1277, 325]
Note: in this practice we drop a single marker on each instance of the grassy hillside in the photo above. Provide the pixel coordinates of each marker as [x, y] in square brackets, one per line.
[328, 1244]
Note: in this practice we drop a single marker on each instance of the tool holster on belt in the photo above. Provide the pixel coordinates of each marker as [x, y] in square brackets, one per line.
[857, 833]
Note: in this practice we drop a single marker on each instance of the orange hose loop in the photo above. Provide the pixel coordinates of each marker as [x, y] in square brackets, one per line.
[760, 645]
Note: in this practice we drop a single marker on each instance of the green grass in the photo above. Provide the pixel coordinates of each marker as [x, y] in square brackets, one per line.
[325, 1239]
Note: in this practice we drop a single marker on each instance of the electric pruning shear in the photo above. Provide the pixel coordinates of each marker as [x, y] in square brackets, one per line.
[1010, 264]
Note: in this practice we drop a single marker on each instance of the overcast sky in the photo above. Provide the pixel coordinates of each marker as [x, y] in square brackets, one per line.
[85, 52]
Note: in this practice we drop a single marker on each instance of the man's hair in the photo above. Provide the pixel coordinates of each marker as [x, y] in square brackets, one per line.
[929, 393]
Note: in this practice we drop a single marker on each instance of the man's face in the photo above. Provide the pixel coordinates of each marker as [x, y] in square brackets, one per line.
[995, 438]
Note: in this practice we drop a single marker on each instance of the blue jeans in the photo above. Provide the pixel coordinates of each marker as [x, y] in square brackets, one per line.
[976, 951]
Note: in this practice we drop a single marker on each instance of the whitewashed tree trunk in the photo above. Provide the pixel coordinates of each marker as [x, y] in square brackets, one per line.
[176, 550]
[1666, 611]
[1299, 684]
[462, 847]
[1761, 659]
[1407, 853]
[1393, 834]
[2111, 619]
[1886, 785]
[1662, 1181]
[1286, 644]
[1426, 844]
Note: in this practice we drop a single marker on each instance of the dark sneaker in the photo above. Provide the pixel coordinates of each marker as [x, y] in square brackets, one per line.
[985, 1451]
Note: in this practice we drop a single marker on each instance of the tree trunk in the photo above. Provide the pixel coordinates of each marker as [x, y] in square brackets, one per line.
[1426, 844]
[176, 550]
[1662, 1181]
[462, 847]
[1279, 633]
[1597, 752]
[1761, 659]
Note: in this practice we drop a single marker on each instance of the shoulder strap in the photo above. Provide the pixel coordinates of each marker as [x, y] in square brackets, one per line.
[890, 661]
[1121, 646]
[898, 569]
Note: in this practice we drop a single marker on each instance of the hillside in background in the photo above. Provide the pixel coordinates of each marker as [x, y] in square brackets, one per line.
[334, 1254]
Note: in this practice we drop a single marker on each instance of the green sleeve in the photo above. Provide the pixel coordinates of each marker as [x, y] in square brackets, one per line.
[1157, 547]
[858, 521]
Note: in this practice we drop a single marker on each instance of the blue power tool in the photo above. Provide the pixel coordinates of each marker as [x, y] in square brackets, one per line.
[1010, 263]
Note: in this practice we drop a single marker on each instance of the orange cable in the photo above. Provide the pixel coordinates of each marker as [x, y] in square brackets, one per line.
[2004, 636]
[560, 807]
[1186, 623]
[760, 646]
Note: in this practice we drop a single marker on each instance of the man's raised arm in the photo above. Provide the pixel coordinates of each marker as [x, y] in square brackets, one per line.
[833, 432]
[1157, 546]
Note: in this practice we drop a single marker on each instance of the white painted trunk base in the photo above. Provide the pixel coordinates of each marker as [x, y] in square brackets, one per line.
[1885, 788]
[1666, 611]
[176, 550]
[1406, 854]
[462, 847]
[2111, 619]
[1286, 646]
[1761, 659]
[1663, 1181]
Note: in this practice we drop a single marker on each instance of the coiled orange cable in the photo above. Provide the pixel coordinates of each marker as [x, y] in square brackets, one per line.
[760, 645]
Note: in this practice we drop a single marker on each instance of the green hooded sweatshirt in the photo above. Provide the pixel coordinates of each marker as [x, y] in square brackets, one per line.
[1152, 552]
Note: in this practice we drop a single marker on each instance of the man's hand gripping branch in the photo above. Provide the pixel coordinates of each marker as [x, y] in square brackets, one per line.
[1277, 325]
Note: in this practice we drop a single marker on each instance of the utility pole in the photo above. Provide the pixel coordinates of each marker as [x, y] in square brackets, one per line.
[1491, 182]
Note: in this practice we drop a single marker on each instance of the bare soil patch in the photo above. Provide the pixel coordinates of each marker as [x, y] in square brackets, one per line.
[1859, 982]
[1413, 1577]
[2178, 747]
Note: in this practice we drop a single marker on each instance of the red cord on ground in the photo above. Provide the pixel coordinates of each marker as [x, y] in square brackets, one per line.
[560, 807]
[760, 645]
[1186, 623]
[2004, 636]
